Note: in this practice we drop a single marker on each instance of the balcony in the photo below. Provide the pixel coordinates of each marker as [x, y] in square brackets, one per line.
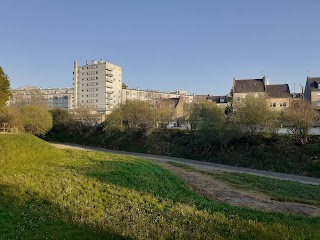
[109, 80]
[109, 86]
[109, 74]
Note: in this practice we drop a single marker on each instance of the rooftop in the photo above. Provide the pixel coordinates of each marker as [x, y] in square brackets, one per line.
[248, 85]
[278, 90]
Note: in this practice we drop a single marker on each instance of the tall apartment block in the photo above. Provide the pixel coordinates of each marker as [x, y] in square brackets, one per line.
[97, 86]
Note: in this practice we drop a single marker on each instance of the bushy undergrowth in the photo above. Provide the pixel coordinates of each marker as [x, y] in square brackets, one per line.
[275, 153]
[70, 194]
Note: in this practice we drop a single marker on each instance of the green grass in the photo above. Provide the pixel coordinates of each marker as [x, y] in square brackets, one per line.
[46, 193]
[281, 190]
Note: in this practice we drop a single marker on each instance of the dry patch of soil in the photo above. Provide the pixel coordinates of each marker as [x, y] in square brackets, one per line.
[206, 185]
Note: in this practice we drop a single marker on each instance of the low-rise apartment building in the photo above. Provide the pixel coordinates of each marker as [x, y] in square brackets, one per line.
[62, 98]
[151, 95]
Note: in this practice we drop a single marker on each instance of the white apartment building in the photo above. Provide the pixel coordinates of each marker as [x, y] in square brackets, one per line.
[62, 98]
[97, 86]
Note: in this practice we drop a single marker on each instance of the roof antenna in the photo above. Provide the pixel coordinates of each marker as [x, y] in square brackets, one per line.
[308, 71]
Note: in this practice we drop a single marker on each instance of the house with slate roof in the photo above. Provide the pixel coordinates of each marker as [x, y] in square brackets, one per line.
[241, 88]
[312, 91]
[278, 95]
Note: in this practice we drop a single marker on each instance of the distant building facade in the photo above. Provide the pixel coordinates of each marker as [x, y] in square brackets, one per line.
[312, 91]
[62, 98]
[151, 95]
[221, 101]
[97, 86]
[278, 95]
[241, 88]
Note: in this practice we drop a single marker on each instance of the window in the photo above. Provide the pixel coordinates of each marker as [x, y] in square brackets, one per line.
[238, 99]
[273, 104]
[283, 104]
[318, 95]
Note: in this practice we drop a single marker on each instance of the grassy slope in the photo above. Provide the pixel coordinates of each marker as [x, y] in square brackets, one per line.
[55, 194]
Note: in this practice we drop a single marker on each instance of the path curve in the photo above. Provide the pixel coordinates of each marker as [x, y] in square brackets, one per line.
[199, 165]
[207, 185]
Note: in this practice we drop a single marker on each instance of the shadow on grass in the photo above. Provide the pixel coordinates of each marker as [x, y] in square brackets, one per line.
[149, 178]
[36, 218]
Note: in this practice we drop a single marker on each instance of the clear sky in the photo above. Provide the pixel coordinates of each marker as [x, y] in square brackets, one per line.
[198, 46]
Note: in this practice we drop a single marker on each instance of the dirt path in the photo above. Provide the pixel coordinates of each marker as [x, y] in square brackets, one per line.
[208, 186]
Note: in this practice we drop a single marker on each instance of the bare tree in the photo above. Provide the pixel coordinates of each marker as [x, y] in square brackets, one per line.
[132, 114]
[299, 118]
[10, 117]
[36, 118]
[254, 116]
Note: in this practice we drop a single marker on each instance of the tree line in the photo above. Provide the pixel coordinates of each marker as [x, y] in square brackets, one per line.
[215, 126]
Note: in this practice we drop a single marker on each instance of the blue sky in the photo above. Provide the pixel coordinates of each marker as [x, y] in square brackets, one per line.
[198, 46]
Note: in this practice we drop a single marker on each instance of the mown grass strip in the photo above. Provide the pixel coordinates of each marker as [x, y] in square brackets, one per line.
[281, 190]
